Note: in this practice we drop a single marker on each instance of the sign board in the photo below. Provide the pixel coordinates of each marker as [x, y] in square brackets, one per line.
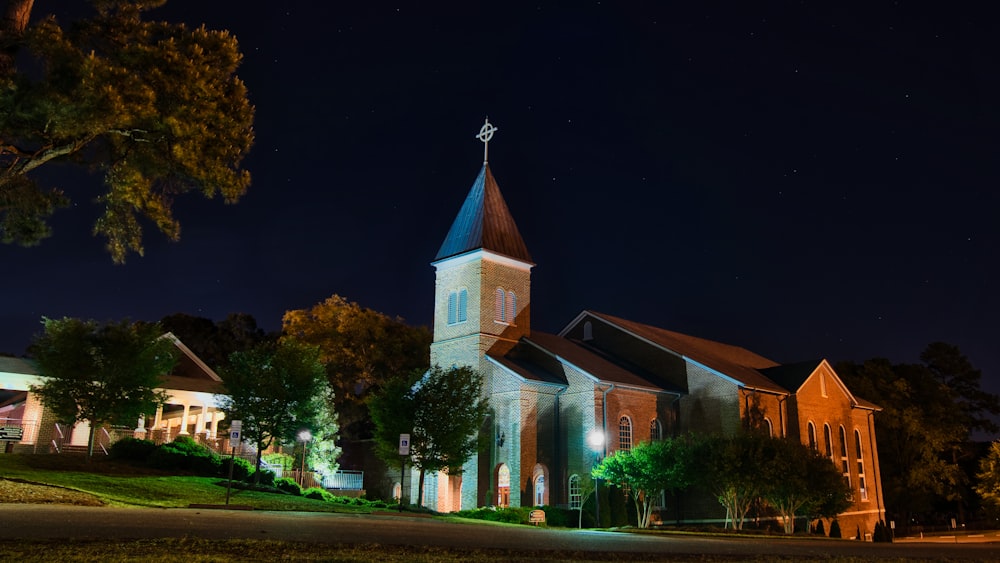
[404, 444]
[536, 516]
[234, 431]
[14, 433]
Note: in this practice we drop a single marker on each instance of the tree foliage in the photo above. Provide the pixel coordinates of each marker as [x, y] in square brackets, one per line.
[799, 481]
[988, 477]
[276, 390]
[104, 374]
[647, 469]
[361, 350]
[154, 107]
[214, 342]
[929, 411]
[442, 410]
[729, 468]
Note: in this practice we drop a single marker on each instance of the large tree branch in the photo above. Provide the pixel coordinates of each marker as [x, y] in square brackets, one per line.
[25, 162]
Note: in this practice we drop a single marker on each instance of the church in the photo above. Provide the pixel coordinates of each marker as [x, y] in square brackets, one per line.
[613, 378]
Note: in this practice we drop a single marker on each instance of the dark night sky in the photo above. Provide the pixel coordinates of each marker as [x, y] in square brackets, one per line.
[803, 181]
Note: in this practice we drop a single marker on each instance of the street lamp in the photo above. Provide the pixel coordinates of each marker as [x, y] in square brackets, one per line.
[595, 439]
[304, 436]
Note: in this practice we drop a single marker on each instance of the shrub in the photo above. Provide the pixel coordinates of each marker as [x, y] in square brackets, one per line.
[132, 449]
[288, 485]
[819, 529]
[318, 494]
[243, 470]
[835, 529]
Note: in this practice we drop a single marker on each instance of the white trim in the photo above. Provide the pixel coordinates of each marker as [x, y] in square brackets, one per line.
[598, 380]
[482, 254]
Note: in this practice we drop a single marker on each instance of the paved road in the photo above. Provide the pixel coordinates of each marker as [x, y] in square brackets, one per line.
[50, 521]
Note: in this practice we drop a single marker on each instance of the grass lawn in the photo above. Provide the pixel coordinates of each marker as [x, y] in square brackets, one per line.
[121, 484]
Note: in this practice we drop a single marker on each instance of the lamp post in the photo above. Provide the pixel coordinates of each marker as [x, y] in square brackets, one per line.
[304, 436]
[595, 439]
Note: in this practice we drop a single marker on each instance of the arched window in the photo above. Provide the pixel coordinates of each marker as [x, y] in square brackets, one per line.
[503, 485]
[511, 310]
[463, 305]
[458, 304]
[770, 428]
[397, 491]
[501, 301]
[588, 330]
[575, 494]
[812, 436]
[625, 434]
[540, 490]
[861, 466]
[845, 468]
[827, 441]
[655, 430]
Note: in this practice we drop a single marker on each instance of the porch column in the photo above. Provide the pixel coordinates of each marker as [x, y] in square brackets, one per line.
[199, 426]
[184, 419]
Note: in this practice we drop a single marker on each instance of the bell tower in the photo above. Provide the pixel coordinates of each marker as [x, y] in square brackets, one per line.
[482, 290]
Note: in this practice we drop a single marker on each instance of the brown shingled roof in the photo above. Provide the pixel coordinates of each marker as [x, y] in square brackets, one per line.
[733, 361]
[484, 222]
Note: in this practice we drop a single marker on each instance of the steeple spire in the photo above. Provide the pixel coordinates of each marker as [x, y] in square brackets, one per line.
[485, 134]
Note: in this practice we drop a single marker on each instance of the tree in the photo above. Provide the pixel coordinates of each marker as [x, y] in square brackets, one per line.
[800, 481]
[276, 390]
[104, 374]
[729, 468]
[442, 410]
[361, 349]
[647, 469]
[988, 477]
[214, 342]
[929, 412]
[155, 107]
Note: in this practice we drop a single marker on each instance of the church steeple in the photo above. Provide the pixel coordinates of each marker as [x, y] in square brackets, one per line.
[483, 279]
[484, 222]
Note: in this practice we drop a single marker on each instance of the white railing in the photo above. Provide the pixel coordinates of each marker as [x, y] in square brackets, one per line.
[344, 480]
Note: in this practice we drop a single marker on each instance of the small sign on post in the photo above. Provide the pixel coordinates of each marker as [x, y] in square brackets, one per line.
[235, 427]
[536, 516]
[11, 433]
[404, 444]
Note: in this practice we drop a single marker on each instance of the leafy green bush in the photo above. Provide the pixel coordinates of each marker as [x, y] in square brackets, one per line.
[132, 449]
[318, 494]
[288, 485]
[835, 529]
[243, 470]
[187, 455]
[562, 517]
[510, 515]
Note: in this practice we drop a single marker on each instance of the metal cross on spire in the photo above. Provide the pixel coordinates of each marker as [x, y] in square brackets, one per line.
[485, 134]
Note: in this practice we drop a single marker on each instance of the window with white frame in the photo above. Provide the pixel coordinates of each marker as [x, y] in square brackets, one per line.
[770, 427]
[812, 435]
[655, 430]
[845, 467]
[625, 434]
[511, 310]
[458, 304]
[499, 304]
[862, 488]
[827, 441]
[575, 494]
